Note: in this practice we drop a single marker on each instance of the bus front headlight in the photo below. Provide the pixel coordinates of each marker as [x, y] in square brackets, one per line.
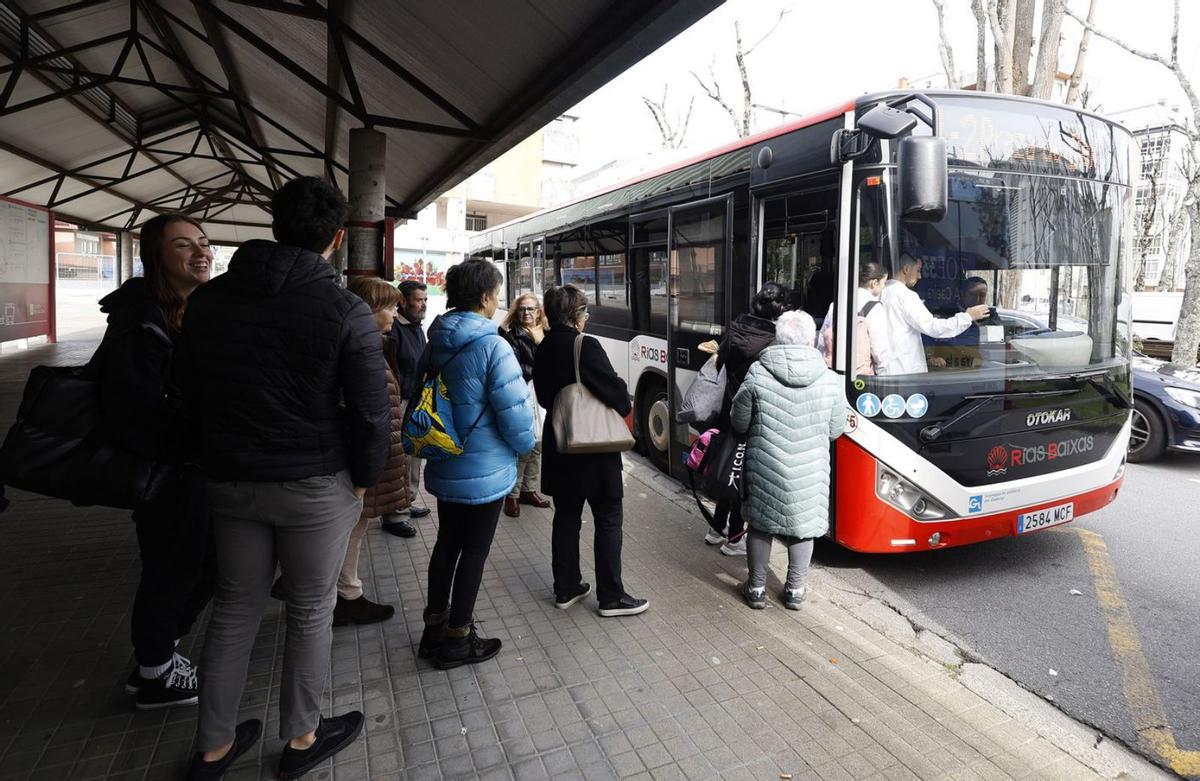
[907, 498]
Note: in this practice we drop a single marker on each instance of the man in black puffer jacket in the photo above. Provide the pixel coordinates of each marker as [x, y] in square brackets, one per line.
[286, 373]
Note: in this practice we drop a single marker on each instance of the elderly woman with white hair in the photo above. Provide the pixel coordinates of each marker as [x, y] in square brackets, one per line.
[790, 407]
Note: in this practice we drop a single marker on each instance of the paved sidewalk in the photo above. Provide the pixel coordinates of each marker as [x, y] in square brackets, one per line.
[698, 687]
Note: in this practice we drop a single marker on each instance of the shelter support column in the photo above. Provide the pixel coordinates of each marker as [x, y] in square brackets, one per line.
[368, 188]
[125, 255]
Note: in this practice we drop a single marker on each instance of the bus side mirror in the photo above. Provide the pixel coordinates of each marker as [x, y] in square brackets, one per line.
[922, 176]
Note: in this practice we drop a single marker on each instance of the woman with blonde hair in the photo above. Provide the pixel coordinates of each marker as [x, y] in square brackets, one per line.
[391, 493]
[524, 328]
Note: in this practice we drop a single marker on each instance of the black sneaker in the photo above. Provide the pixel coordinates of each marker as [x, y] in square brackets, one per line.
[177, 686]
[470, 649]
[563, 602]
[625, 606]
[245, 736]
[360, 611]
[135, 680]
[399, 528]
[333, 735]
[756, 598]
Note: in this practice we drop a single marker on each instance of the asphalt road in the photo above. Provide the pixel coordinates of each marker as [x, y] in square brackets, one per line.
[1010, 603]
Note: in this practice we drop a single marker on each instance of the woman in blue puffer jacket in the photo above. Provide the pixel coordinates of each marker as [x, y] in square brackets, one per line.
[494, 420]
[791, 406]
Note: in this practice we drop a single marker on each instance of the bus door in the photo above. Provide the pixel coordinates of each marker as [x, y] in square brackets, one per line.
[697, 305]
[799, 244]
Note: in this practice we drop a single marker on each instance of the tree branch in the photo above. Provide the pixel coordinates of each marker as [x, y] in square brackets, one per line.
[714, 92]
[767, 34]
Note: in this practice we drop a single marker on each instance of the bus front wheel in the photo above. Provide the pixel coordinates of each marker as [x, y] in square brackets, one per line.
[654, 423]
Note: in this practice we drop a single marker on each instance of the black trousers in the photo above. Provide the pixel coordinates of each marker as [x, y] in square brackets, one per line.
[179, 567]
[730, 513]
[607, 517]
[464, 540]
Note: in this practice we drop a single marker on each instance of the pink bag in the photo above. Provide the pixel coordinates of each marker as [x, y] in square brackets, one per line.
[695, 459]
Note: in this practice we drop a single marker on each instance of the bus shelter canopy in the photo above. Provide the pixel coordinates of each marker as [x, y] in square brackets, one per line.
[114, 110]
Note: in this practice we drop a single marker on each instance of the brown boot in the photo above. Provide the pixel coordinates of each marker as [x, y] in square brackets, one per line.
[431, 638]
[535, 499]
[512, 507]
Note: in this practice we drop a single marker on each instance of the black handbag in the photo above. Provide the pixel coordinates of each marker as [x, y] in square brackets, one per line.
[725, 468]
[58, 445]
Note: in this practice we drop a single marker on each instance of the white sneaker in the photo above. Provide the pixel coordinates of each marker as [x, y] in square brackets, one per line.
[712, 538]
[734, 548]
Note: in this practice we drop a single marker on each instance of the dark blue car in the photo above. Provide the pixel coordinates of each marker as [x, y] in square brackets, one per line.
[1166, 409]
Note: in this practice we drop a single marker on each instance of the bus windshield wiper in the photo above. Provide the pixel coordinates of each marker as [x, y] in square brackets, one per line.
[934, 432]
[1100, 381]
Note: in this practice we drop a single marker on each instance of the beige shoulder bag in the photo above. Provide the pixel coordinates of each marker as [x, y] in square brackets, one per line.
[583, 423]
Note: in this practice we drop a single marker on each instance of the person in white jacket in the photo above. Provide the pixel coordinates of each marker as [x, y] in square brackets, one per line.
[908, 318]
[872, 348]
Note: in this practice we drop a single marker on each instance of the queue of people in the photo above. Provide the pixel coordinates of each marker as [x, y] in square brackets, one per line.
[274, 404]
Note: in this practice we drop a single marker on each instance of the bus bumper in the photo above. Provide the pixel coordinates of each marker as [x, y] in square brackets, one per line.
[866, 524]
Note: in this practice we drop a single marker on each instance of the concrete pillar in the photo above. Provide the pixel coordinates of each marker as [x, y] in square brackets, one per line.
[125, 255]
[368, 187]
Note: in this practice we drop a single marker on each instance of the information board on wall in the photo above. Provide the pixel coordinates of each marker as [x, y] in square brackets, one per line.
[25, 261]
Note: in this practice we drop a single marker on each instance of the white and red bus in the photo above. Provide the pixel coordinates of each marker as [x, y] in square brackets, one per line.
[1020, 423]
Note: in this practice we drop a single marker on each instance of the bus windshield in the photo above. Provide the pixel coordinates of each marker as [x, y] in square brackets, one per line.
[1042, 252]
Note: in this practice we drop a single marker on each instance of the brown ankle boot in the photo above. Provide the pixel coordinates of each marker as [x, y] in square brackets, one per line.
[431, 638]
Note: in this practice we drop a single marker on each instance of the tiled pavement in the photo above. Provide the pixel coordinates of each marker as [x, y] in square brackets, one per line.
[698, 687]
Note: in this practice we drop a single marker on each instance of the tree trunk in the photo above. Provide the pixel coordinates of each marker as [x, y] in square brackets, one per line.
[1174, 225]
[1022, 44]
[1187, 333]
[944, 48]
[1000, 16]
[747, 99]
[981, 24]
[1047, 60]
[1084, 42]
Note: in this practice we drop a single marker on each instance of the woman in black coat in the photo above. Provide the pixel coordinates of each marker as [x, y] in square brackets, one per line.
[140, 413]
[573, 479]
[748, 336]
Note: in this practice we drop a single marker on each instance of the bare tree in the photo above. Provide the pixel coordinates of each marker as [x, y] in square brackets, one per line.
[673, 131]
[1084, 42]
[743, 120]
[981, 25]
[1146, 233]
[1001, 19]
[1046, 70]
[1023, 13]
[944, 47]
[1187, 332]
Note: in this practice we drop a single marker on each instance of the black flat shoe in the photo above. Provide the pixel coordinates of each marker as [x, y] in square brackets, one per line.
[333, 735]
[245, 736]
[625, 606]
[399, 528]
[360, 611]
[418, 512]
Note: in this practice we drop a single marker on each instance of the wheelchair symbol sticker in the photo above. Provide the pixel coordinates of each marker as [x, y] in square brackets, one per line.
[893, 405]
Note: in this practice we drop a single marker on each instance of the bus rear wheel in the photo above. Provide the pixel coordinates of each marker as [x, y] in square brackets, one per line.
[654, 423]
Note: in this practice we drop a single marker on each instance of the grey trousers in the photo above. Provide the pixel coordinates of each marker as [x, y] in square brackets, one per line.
[529, 471]
[758, 556]
[304, 525]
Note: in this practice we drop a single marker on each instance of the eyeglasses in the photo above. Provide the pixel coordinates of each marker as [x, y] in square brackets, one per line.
[527, 309]
[582, 313]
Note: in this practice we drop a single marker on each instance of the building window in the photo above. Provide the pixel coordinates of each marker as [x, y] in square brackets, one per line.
[476, 222]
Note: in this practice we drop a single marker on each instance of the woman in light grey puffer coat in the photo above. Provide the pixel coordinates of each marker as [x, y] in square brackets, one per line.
[791, 405]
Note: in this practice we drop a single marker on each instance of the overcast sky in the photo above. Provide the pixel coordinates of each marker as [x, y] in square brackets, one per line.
[826, 52]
